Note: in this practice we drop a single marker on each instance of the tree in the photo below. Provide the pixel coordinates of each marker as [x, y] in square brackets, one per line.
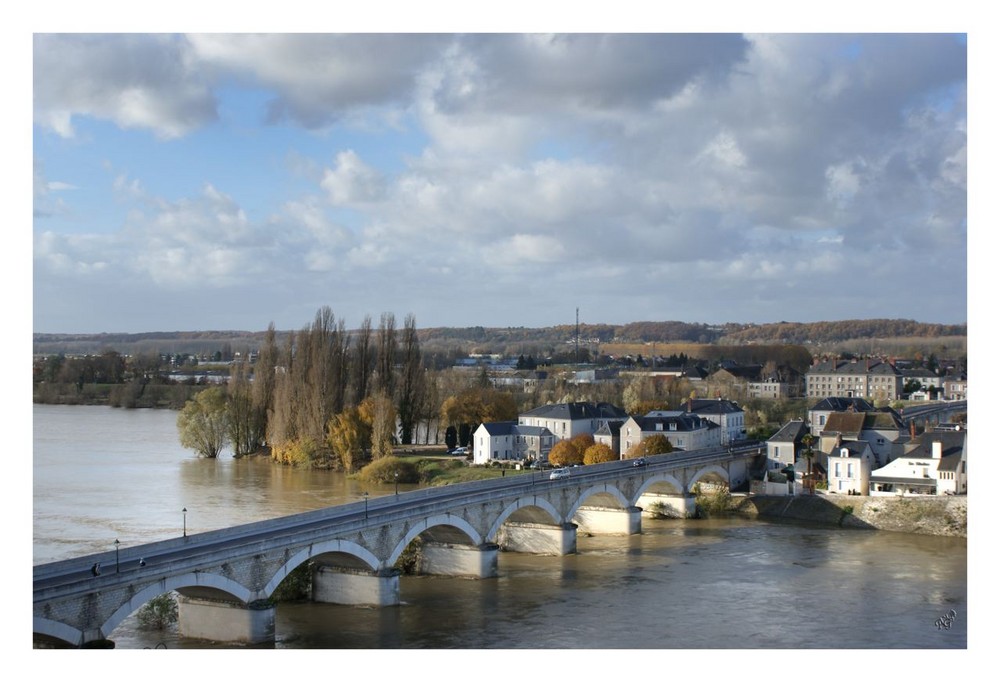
[597, 453]
[385, 360]
[239, 405]
[378, 413]
[262, 387]
[657, 444]
[565, 453]
[410, 387]
[807, 452]
[204, 423]
[349, 436]
[364, 361]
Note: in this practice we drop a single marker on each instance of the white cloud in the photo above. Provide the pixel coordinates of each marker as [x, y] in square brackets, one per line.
[351, 181]
[134, 81]
[693, 160]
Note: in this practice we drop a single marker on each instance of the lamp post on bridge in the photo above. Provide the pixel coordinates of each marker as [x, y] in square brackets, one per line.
[185, 512]
[397, 482]
[365, 493]
[116, 555]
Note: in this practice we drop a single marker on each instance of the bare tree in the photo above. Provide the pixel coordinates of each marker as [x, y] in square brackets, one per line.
[262, 387]
[385, 367]
[363, 363]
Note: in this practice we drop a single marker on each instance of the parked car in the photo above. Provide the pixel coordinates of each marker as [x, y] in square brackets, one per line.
[559, 473]
[640, 462]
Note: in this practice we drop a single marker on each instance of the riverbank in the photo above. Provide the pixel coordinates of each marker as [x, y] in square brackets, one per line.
[947, 515]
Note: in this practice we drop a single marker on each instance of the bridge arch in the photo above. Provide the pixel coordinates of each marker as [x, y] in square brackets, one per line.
[522, 503]
[604, 491]
[314, 550]
[706, 471]
[199, 579]
[430, 522]
[669, 479]
[56, 630]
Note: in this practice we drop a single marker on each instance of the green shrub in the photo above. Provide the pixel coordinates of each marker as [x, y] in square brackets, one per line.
[384, 470]
[712, 501]
[296, 586]
[158, 612]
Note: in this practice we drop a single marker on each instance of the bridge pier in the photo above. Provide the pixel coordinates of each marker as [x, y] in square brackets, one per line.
[537, 538]
[609, 521]
[355, 587]
[676, 506]
[458, 560]
[225, 621]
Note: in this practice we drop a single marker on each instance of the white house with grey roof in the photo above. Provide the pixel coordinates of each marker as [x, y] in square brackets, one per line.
[849, 468]
[783, 447]
[726, 414]
[684, 430]
[933, 464]
[566, 420]
[510, 441]
[821, 411]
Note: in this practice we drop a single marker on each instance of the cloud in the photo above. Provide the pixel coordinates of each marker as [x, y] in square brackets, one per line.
[720, 166]
[318, 79]
[351, 181]
[134, 81]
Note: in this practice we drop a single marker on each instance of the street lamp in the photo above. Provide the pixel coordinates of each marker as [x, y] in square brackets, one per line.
[185, 512]
[397, 482]
[365, 493]
[116, 554]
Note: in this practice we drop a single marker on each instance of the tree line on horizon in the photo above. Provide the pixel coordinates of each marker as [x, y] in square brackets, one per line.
[439, 339]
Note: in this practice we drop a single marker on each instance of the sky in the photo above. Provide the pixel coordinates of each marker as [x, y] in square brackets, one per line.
[207, 180]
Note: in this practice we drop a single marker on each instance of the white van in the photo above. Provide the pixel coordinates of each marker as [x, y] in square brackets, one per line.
[559, 473]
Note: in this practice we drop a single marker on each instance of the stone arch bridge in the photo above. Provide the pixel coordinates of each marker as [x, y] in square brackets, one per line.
[225, 578]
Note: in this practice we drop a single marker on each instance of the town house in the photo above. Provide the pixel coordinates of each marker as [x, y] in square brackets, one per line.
[684, 430]
[510, 441]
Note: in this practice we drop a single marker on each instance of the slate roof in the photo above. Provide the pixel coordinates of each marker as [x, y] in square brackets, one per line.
[685, 421]
[511, 428]
[717, 406]
[577, 411]
[833, 404]
[747, 372]
[855, 448]
[611, 428]
[952, 443]
[500, 428]
[853, 367]
[791, 432]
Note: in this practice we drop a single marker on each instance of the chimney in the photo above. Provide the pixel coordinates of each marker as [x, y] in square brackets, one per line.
[936, 450]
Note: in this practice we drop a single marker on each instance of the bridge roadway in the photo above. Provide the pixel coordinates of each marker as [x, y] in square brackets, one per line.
[244, 564]
[936, 408]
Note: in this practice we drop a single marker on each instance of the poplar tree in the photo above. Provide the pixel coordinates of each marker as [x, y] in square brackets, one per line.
[410, 384]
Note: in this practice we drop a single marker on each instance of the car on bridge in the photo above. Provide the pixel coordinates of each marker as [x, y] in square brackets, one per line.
[640, 462]
[559, 473]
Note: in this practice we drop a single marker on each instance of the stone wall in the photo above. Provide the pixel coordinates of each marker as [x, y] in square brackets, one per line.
[944, 515]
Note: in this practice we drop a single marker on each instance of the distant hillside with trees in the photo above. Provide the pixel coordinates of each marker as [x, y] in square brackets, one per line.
[843, 330]
[443, 344]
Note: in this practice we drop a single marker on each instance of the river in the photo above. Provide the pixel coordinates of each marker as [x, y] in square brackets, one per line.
[102, 474]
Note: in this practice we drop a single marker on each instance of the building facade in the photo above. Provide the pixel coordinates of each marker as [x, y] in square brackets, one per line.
[869, 378]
